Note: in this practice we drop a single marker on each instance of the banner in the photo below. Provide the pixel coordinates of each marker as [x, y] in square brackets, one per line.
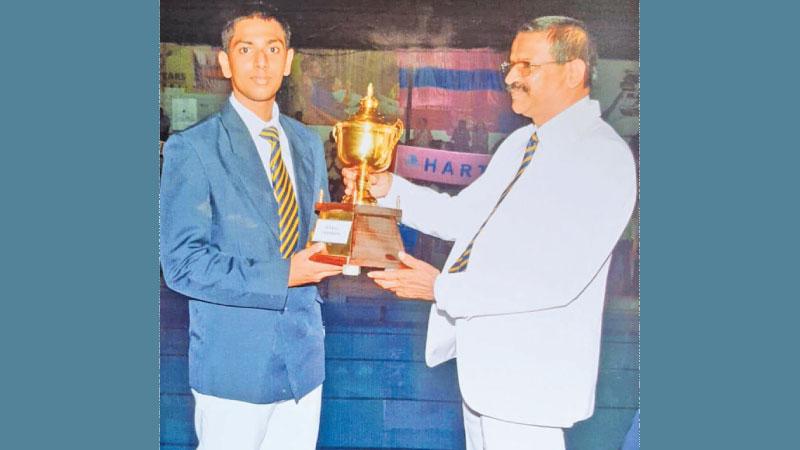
[450, 85]
[439, 166]
[177, 66]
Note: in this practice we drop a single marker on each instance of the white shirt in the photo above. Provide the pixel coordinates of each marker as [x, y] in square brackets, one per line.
[255, 125]
[524, 318]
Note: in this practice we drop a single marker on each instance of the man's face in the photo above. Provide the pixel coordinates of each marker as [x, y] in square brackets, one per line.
[256, 61]
[535, 93]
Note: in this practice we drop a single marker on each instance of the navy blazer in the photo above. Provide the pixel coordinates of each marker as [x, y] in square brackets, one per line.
[251, 337]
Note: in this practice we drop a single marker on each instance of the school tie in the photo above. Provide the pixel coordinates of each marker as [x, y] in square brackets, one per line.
[461, 263]
[287, 205]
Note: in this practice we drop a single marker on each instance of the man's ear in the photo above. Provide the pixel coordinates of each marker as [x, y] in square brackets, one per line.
[576, 72]
[287, 67]
[224, 64]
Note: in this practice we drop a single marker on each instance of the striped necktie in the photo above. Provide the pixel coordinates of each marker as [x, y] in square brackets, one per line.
[461, 263]
[284, 193]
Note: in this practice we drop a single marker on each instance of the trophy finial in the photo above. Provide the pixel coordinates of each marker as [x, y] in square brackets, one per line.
[368, 106]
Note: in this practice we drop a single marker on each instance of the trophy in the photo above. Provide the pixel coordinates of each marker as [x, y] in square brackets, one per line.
[356, 232]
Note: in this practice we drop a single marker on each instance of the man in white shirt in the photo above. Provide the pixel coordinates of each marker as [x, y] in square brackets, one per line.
[520, 300]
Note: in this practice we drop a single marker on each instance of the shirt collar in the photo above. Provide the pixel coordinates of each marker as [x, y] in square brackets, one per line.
[571, 119]
[254, 123]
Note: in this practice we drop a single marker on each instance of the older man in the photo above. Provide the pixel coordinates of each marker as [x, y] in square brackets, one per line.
[520, 301]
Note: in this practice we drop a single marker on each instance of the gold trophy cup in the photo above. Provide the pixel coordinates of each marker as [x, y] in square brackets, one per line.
[357, 233]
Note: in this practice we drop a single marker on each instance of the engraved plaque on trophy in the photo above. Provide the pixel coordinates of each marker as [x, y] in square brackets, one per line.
[356, 231]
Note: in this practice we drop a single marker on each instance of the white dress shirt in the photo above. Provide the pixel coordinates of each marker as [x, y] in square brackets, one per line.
[255, 125]
[524, 318]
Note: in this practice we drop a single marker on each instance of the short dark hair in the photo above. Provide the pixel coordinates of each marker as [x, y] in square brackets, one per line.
[569, 39]
[253, 10]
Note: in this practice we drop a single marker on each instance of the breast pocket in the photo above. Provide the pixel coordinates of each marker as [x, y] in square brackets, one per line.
[245, 234]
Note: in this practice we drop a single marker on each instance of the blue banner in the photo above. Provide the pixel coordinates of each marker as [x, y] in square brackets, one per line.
[457, 80]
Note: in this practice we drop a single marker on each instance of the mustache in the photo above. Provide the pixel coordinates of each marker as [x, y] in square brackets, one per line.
[517, 86]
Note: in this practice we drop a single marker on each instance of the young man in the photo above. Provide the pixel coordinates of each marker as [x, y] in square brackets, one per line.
[520, 301]
[237, 205]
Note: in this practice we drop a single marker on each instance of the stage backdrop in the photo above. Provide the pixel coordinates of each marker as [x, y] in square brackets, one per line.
[446, 86]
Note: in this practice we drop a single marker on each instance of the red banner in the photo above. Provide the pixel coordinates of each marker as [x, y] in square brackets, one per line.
[439, 166]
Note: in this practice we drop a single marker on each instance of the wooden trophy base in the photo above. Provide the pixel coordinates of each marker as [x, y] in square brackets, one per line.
[373, 241]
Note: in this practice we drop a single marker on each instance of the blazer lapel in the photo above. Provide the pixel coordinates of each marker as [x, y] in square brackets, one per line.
[247, 169]
[303, 176]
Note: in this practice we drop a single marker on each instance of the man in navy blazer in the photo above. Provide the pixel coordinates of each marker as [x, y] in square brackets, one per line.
[237, 207]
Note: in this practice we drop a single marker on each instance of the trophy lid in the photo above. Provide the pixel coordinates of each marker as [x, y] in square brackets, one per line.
[368, 109]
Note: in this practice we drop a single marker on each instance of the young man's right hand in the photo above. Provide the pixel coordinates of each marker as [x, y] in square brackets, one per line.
[302, 270]
[379, 183]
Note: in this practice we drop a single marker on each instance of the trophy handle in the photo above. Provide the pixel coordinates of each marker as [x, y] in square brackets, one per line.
[398, 131]
[337, 128]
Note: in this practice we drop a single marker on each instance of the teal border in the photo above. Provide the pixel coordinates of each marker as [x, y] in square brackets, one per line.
[719, 226]
[79, 321]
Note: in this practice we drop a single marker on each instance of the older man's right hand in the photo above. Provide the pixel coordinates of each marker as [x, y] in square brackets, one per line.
[379, 183]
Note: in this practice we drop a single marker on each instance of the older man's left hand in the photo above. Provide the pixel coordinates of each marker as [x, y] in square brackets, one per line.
[413, 281]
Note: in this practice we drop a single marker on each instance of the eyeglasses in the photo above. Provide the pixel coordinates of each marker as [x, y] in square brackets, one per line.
[525, 67]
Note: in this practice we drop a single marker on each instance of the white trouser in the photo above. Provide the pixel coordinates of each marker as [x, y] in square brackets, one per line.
[487, 433]
[223, 424]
